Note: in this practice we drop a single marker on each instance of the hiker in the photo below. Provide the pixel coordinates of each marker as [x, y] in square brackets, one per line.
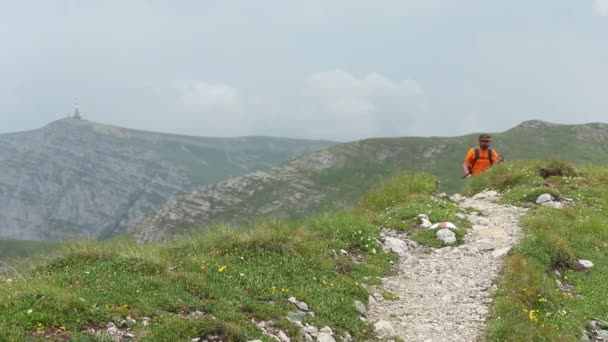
[481, 158]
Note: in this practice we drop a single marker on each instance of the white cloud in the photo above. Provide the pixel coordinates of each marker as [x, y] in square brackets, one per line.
[201, 96]
[334, 105]
[338, 104]
[601, 7]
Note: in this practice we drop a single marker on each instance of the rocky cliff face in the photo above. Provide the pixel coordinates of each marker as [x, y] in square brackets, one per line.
[277, 192]
[75, 178]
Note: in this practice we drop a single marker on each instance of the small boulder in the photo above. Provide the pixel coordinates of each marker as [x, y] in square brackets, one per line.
[326, 330]
[425, 222]
[499, 253]
[441, 225]
[360, 307]
[586, 264]
[324, 337]
[544, 198]
[458, 198]
[299, 305]
[395, 245]
[553, 204]
[112, 330]
[283, 337]
[295, 317]
[447, 236]
[602, 335]
[461, 216]
[383, 329]
[371, 300]
[311, 330]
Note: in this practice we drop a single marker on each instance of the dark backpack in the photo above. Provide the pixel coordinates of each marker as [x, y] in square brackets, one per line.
[490, 156]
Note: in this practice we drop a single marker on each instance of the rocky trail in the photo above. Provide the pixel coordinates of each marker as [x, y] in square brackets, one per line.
[444, 294]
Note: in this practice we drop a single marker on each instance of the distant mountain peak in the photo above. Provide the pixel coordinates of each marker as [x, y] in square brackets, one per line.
[535, 124]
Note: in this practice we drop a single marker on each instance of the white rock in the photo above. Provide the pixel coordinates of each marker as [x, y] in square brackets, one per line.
[458, 198]
[360, 307]
[311, 330]
[113, 330]
[440, 225]
[544, 198]
[447, 236]
[197, 339]
[395, 245]
[383, 329]
[553, 204]
[347, 337]
[586, 263]
[371, 300]
[323, 337]
[326, 330]
[499, 253]
[300, 305]
[423, 216]
[461, 216]
[344, 253]
[308, 338]
[425, 221]
[255, 341]
[284, 337]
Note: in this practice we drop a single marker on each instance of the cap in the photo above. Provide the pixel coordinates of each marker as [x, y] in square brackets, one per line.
[485, 137]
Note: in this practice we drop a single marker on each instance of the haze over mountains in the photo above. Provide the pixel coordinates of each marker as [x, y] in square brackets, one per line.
[76, 178]
[339, 175]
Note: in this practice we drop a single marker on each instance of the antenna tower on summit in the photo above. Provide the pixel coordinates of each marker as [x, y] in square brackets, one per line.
[76, 111]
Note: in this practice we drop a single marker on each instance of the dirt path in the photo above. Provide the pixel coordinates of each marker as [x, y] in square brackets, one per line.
[444, 294]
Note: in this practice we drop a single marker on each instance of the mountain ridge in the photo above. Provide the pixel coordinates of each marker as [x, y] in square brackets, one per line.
[337, 175]
[77, 178]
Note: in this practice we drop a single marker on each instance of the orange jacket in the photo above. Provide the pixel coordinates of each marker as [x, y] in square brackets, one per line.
[483, 163]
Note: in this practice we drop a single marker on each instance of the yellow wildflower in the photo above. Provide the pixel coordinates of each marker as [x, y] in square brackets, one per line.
[222, 269]
[533, 316]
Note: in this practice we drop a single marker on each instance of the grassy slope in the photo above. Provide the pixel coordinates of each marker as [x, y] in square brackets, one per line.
[365, 164]
[18, 249]
[232, 275]
[529, 306]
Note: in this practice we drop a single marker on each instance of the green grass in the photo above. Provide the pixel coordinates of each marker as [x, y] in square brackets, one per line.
[233, 275]
[397, 203]
[19, 249]
[529, 306]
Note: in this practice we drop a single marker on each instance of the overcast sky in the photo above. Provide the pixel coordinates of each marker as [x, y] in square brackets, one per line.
[332, 69]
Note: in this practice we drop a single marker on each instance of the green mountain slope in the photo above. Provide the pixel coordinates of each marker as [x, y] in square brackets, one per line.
[216, 285]
[77, 178]
[336, 176]
[223, 283]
